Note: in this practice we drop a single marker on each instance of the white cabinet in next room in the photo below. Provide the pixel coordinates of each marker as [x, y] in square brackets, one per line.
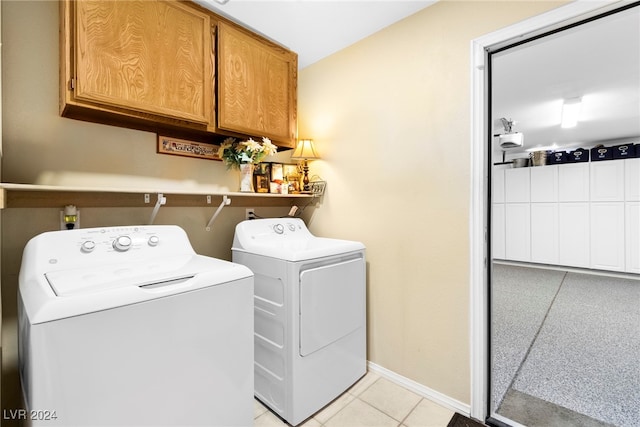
[607, 236]
[632, 237]
[573, 182]
[544, 184]
[573, 234]
[517, 231]
[497, 179]
[497, 231]
[517, 185]
[607, 181]
[544, 233]
[632, 180]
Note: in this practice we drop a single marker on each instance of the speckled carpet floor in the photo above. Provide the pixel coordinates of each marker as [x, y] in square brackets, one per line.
[567, 338]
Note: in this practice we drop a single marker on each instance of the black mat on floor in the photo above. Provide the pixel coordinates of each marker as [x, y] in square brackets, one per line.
[459, 420]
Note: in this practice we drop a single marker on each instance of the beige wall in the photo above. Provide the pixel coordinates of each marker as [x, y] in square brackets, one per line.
[390, 116]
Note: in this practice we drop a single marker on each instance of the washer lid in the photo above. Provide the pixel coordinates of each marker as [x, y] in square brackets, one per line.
[79, 281]
[59, 294]
[287, 239]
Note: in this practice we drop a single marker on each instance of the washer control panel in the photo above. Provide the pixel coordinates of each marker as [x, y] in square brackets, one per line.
[120, 239]
[113, 244]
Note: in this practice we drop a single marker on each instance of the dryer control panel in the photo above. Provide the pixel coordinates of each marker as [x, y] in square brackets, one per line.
[274, 230]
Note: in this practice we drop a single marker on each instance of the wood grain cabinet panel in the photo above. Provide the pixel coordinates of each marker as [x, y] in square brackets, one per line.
[257, 91]
[137, 58]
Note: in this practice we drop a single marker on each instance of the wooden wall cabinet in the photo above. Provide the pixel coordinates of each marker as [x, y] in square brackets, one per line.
[136, 60]
[257, 86]
[165, 64]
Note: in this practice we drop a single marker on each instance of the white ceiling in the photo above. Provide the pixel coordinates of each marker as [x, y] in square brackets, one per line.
[598, 61]
[315, 29]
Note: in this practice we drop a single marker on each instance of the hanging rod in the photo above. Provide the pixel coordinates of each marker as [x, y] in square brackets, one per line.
[225, 202]
[161, 201]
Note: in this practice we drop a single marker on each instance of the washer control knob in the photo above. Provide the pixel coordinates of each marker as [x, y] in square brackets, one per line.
[122, 243]
[153, 241]
[278, 228]
[88, 246]
[291, 227]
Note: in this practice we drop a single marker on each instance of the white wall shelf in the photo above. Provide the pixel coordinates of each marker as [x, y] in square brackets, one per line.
[50, 196]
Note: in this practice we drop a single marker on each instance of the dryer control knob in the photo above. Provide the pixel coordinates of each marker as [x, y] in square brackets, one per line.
[291, 227]
[153, 241]
[122, 243]
[278, 228]
[88, 246]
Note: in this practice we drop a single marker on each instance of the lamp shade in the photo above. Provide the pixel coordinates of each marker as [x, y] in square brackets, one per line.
[305, 150]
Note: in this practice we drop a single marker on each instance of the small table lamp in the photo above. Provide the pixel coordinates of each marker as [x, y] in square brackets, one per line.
[305, 151]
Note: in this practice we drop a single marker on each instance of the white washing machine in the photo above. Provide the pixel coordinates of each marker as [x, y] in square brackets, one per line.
[128, 326]
[310, 316]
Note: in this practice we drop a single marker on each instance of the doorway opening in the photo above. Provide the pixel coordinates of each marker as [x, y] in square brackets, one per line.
[558, 330]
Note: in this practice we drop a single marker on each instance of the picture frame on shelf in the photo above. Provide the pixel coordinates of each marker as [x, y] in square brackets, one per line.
[262, 177]
[277, 172]
[292, 176]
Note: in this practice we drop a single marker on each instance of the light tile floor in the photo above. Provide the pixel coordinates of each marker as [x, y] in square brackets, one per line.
[373, 401]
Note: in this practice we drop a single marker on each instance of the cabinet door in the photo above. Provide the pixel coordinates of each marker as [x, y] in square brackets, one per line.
[497, 178]
[607, 236]
[497, 232]
[632, 237]
[544, 183]
[632, 180]
[573, 234]
[143, 55]
[256, 86]
[517, 184]
[573, 182]
[544, 233]
[517, 232]
[607, 181]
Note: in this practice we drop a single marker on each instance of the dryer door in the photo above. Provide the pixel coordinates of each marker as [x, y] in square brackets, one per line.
[332, 303]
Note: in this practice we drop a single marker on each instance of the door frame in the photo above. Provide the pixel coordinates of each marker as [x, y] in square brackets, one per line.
[479, 228]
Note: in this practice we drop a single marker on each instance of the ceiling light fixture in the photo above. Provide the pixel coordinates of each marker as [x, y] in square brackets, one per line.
[571, 112]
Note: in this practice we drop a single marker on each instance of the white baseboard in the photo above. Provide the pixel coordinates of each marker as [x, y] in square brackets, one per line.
[424, 391]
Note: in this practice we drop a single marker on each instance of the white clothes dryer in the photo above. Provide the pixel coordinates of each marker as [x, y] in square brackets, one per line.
[128, 326]
[310, 314]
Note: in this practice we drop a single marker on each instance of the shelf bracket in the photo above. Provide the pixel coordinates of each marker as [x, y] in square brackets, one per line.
[161, 201]
[225, 202]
